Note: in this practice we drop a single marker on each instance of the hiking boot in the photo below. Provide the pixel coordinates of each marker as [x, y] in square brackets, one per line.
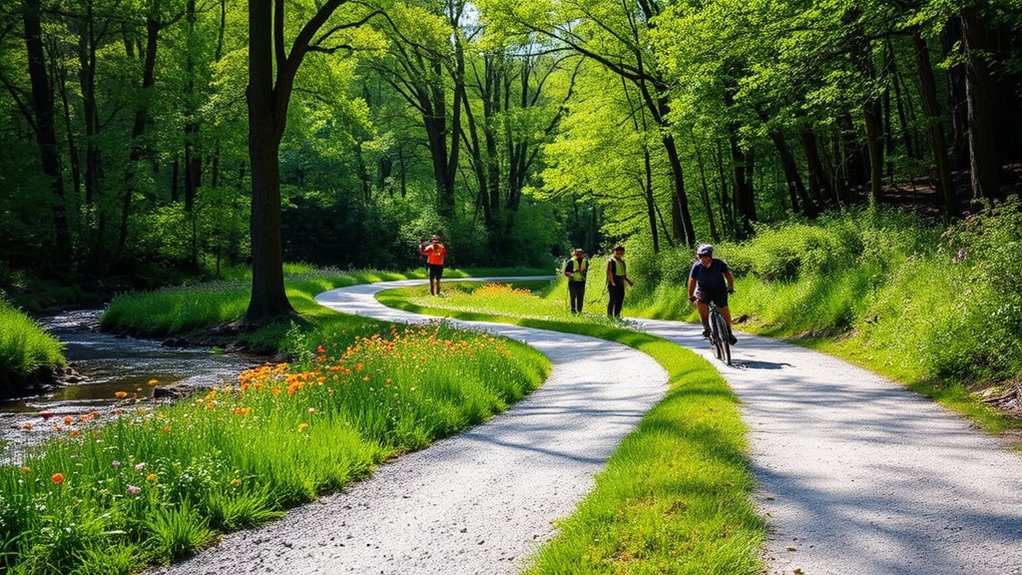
[706, 333]
[732, 339]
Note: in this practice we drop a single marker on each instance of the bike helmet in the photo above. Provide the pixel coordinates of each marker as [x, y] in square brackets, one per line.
[704, 250]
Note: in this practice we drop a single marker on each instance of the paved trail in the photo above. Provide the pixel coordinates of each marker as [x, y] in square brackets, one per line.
[857, 475]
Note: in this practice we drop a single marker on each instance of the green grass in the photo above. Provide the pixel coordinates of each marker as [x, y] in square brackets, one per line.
[150, 486]
[185, 309]
[26, 349]
[676, 495]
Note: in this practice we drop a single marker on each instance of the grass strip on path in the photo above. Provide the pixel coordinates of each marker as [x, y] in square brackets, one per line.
[676, 495]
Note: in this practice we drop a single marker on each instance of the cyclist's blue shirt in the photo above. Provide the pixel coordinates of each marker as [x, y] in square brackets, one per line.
[709, 278]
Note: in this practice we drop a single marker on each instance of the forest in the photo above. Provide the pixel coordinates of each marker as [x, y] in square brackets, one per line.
[152, 140]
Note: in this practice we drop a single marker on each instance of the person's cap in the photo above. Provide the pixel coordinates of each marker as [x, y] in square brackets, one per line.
[579, 250]
[437, 238]
[704, 250]
[619, 247]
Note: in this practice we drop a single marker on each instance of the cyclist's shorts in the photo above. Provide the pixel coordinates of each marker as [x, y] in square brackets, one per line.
[718, 296]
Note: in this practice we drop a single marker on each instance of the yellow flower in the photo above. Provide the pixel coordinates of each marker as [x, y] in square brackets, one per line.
[153, 382]
[235, 482]
[26, 469]
[302, 427]
[121, 394]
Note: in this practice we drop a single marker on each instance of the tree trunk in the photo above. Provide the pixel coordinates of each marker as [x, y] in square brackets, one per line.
[269, 300]
[819, 179]
[704, 192]
[45, 130]
[745, 208]
[871, 114]
[984, 159]
[934, 123]
[796, 188]
[647, 192]
[957, 100]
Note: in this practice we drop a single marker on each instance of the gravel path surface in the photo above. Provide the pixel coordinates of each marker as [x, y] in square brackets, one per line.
[859, 476]
[478, 503]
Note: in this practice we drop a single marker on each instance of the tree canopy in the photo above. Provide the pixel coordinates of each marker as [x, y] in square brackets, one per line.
[187, 135]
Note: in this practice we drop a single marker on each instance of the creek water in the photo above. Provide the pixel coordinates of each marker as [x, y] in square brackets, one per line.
[107, 364]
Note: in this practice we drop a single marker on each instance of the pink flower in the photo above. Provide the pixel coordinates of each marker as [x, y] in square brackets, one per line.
[133, 489]
[115, 464]
[139, 467]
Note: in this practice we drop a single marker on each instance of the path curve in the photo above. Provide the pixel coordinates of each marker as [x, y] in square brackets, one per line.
[858, 475]
[477, 503]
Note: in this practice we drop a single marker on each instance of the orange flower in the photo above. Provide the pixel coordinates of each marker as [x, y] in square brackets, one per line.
[359, 366]
[320, 349]
[57, 478]
[26, 426]
[235, 482]
[74, 433]
[241, 410]
[68, 420]
[121, 394]
[150, 477]
[166, 429]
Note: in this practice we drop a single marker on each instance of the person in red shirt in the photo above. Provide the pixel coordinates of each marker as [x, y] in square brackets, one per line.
[435, 253]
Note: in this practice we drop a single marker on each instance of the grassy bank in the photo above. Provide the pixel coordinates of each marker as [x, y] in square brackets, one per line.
[149, 486]
[938, 309]
[28, 354]
[676, 495]
[180, 310]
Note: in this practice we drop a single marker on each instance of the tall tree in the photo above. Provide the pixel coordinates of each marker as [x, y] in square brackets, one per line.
[272, 72]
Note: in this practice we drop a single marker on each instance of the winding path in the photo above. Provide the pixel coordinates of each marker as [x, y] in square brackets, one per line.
[478, 503]
[857, 475]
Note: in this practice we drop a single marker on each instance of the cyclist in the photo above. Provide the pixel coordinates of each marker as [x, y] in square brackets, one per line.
[709, 280]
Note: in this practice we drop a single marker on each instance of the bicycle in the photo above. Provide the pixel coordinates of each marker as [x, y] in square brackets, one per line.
[719, 335]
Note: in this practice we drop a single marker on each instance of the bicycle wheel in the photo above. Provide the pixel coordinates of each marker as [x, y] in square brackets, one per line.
[721, 335]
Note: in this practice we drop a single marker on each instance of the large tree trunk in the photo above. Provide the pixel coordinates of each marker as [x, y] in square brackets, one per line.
[265, 129]
[934, 123]
[45, 130]
[984, 159]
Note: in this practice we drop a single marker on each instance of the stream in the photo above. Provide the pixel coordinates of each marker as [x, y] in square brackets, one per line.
[107, 364]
